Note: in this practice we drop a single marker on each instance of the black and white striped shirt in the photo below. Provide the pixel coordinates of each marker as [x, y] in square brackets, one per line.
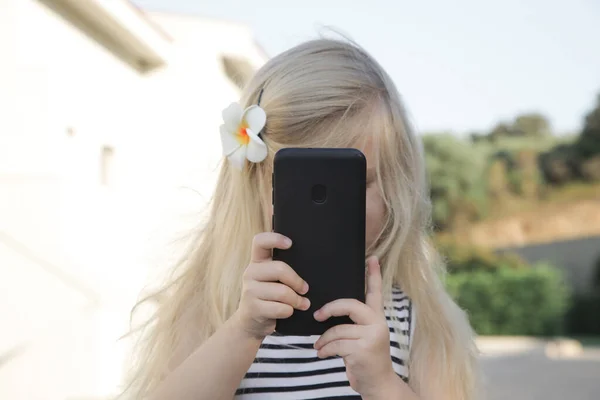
[284, 373]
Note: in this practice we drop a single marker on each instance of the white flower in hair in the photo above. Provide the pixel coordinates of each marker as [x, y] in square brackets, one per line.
[239, 134]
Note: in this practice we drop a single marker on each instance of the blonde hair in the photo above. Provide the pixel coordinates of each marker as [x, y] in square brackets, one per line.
[323, 93]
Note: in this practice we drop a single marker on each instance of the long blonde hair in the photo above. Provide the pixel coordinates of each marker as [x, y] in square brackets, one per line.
[323, 93]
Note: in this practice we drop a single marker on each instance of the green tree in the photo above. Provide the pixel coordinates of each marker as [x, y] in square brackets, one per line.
[528, 173]
[498, 183]
[502, 130]
[588, 145]
[559, 164]
[580, 160]
[532, 125]
[529, 125]
[454, 170]
[589, 141]
[477, 137]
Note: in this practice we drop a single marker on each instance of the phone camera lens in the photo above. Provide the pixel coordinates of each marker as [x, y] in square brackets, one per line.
[319, 194]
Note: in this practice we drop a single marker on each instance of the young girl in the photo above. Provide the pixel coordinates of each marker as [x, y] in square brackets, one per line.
[212, 336]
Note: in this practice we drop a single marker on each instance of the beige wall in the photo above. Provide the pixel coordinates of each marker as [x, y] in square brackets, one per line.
[73, 253]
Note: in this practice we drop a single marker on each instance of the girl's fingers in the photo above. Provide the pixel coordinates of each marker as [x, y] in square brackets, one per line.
[274, 310]
[374, 298]
[277, 292]
[342, 348]
[264, 243]
[275, 271]
[340, 332]
[358, 312]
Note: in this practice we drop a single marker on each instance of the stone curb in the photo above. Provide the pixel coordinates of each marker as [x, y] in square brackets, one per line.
[507, 345]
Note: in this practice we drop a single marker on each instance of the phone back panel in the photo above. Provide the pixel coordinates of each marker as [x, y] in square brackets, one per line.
[319, 203]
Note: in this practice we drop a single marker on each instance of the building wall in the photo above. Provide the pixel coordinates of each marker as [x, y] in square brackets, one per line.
[73, 251]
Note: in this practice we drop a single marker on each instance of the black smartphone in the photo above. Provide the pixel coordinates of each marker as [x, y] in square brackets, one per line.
[319, 197]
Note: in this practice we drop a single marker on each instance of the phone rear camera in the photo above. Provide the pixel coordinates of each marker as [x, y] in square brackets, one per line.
[319, 194]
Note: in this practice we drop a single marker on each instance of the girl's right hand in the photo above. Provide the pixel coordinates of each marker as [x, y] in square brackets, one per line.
[271, 289]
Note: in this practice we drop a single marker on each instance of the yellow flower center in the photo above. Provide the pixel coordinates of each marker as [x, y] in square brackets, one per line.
[242, 135]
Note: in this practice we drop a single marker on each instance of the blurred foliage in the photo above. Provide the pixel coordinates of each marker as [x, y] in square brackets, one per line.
[509, 301]
[588, 144]
[559, 165]
[498, 184]
[511, 145]
[577, 161]
[505, 295]
[514, 166]
[531, 125]
[454, 173]
[529, 180]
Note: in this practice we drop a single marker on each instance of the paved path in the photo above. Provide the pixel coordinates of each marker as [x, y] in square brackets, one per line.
[532, 376]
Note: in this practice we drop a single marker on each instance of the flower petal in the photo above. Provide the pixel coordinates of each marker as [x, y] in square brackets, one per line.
[228, 141]
[238, 157]
[256, 118]
[257, 149]
[232, 116]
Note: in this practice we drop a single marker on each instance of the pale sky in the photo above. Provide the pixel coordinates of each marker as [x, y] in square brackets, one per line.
[460, 65]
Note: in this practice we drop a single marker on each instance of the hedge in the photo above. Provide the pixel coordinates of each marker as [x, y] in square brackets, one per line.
[512, 301]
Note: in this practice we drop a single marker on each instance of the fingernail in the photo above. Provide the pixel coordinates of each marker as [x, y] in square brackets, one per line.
[305, 304]
[316, 314]
[304, 288]
[288, 242]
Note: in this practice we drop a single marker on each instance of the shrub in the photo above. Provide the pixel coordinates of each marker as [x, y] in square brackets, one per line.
[509, 301]
[590, 169]
[454, 173]
[559, 165]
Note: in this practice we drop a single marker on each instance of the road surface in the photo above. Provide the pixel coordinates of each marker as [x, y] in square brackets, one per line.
[533, 376]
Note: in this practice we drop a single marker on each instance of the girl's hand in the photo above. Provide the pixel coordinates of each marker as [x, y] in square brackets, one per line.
[271, 289]
[365, 346]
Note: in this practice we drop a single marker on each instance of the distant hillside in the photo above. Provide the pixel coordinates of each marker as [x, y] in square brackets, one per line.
[546, 223]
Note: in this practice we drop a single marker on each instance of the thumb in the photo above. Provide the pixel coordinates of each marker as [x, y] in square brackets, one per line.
[374, 298]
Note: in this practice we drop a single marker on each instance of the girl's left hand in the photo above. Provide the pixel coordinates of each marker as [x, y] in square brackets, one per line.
[365, 347]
